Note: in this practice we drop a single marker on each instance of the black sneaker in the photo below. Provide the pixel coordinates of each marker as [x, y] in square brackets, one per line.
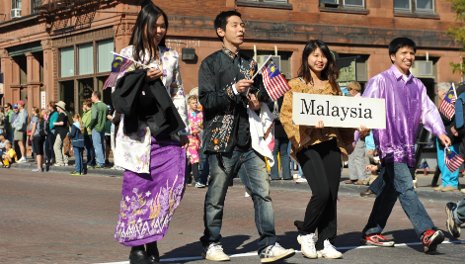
[431, 239]
[452, 227]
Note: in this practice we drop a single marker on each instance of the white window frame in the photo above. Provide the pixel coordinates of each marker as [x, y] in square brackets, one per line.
[351, 5]
[413, 7]
[16, 4]
[432, 10]
[342, 3]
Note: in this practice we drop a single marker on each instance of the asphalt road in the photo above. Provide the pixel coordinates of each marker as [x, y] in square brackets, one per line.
[57, 218]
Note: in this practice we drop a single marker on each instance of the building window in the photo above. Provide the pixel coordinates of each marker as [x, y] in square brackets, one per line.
[67, 62]
[35, 4]
[280, 4]
[16, 4]
[86, 59]
[342, 3]
[104, 56]
[265, 1]
[414, 6]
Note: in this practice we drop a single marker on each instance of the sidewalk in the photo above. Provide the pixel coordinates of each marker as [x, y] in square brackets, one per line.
[424, 188]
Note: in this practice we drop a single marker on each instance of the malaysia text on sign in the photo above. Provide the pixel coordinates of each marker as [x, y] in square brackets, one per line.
[338, 111]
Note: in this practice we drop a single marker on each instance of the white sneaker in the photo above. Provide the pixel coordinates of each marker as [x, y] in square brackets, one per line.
[275, 252]
[22, 160]
[329, 251]
[215, 252]
[301, 180]
[307, 243]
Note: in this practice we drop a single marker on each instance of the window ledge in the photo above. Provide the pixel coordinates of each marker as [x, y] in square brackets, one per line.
[286, 6]
[398, 13]
[346, 10]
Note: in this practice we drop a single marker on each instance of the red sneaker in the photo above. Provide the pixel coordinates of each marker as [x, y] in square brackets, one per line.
[431, 239]
[378, 240]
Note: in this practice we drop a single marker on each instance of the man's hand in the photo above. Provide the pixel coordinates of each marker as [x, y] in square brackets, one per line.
[243, 85]
[445, 140]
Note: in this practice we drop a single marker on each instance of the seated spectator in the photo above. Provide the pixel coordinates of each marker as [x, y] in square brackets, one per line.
[2, 143]
[9, 156]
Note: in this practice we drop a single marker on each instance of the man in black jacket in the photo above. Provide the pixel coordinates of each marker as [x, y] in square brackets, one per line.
[225, 81]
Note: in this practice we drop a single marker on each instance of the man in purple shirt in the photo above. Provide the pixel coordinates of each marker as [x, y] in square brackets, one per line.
[407, 105]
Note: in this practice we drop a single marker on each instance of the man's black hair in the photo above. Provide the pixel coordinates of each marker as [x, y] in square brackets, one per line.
[221, 20]
[398, 43]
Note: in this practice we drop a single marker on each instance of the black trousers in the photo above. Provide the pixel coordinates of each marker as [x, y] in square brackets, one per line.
[321, 165]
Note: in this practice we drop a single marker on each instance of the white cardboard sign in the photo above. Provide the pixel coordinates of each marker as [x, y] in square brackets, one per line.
[338, 111]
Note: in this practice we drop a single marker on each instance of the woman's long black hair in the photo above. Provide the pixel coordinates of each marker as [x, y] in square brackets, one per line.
[331, 72]
[144, 31]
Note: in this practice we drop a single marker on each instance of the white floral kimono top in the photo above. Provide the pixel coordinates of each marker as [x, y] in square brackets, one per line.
[132, 152]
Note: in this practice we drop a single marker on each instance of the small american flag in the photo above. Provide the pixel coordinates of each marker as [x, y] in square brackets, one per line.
[274, 82]
[118, 65]
[447, 107]
[452, 159]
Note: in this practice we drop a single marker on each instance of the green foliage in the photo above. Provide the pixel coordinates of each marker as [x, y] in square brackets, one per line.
[458, 32]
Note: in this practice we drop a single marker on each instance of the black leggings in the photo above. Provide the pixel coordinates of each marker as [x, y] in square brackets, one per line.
[321, 165]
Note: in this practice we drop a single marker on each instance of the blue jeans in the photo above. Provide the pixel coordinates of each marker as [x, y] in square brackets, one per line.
[459, 212]
[281, 146]
[448, 178]
[79, 164]
[97, 140]
[251, 169]
[203, 168]
[396, 182]
[88, 145]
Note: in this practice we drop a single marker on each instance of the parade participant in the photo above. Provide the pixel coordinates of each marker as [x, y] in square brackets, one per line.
[153, 180]
[318, 150]
[225, 79]
[407, 105]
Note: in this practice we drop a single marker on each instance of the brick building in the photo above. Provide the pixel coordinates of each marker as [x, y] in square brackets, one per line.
[60, 49]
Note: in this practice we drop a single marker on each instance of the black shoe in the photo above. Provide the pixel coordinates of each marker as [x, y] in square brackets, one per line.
[152, 252]
[367, 193]
[47, 167]
[138, 257]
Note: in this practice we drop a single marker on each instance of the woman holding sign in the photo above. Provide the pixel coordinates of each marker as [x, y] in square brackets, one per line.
[318, 149]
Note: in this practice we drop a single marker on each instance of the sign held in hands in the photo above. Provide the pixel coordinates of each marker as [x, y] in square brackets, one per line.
[338, 111]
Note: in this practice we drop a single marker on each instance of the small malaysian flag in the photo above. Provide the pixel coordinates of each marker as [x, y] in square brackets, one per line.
[119, 64]
[452, 159]
[447, 107]
[274, 82]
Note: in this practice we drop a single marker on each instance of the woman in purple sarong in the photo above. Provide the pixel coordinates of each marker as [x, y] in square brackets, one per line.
[154, 162]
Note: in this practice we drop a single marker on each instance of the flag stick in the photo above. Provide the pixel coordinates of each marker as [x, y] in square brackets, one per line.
[455, 92]
[261, 67]
[131, 59]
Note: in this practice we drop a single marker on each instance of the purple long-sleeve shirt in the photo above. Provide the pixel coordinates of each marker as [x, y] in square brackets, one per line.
[407, 105]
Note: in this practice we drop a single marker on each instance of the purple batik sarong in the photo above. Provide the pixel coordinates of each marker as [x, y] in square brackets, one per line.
[149, 200]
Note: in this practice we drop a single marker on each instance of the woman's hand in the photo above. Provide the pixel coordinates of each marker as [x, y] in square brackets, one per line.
[320, 124]
[154, 73]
